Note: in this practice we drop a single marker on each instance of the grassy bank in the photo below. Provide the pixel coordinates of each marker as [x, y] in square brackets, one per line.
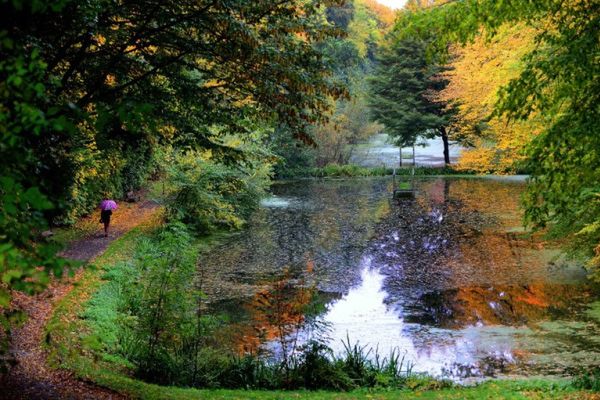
[74, 345]
[105, 309]
[335, 170]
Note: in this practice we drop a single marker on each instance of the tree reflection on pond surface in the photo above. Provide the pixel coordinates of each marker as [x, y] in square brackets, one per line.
[450, 277]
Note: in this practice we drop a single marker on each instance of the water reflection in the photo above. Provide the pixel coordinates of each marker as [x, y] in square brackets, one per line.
[450, 277]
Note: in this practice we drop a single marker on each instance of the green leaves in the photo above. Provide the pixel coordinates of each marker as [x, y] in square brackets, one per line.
[209, 195]
[164, 307]
[403, 92]
[560, 83]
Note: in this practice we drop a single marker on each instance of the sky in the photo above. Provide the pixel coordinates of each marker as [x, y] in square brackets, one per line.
[392, 3]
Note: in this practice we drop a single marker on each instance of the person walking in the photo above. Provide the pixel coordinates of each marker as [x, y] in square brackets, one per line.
[106, 208]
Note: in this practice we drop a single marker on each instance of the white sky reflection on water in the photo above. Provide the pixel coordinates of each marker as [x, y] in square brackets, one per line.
[275, 202]
[363, 316]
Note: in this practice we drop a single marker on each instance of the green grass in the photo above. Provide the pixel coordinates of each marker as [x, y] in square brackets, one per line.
[66, 329]
[534, 389]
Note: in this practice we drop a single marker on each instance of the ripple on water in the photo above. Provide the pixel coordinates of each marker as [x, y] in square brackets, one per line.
[445, 278]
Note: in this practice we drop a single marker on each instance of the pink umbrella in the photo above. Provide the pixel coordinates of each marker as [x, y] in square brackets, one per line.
[108, 205]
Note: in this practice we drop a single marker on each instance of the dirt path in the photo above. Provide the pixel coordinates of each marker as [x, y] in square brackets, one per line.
[31, 378]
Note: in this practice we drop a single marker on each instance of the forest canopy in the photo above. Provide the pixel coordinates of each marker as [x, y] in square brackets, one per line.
[94, 95]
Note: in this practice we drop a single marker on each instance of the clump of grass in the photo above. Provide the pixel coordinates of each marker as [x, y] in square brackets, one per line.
[312, 367]
[589, 380]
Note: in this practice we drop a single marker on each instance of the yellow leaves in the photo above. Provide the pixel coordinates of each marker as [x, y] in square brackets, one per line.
[385, 15]
[233, 141]
[479, 71]
[167, 131]
[594, 263]
[100, 40]
[212, 83]
[110, 80]
[244, 102]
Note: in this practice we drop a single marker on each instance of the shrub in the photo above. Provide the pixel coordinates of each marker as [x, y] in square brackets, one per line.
[163, 303]
[208, 195]
[588, 380]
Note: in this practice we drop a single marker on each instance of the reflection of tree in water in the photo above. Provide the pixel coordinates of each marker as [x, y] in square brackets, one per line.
[512, 305]
[449, 260]
[326, 222]
[279, 313]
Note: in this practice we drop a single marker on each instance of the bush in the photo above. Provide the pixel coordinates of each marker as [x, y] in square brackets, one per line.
[318, 369]
[208, 195]
[162, 301]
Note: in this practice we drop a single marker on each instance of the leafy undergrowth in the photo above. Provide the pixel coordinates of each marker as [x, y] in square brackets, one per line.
[72, 347]
[65, 329]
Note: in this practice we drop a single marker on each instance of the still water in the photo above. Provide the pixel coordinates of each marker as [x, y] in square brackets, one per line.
[450, 278]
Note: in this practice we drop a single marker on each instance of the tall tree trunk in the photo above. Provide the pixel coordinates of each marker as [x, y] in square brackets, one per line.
[400, 151]
[446, 146]
[414, 160]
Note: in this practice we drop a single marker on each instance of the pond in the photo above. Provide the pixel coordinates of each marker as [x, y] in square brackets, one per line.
[450, 279]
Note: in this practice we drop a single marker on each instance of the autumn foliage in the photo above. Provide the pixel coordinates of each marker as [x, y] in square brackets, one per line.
[494, 143]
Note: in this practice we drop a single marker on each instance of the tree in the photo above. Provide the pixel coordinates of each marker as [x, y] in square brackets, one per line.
[493, 144]
[559, 83]
[405, 89]
[341, 16]
[368, 26]
[91, 91]
[350, 58]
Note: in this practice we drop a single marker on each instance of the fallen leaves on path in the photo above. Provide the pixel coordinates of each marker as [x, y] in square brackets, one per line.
[32, 378]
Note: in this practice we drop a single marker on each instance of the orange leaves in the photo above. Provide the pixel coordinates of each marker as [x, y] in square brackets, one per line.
[276, 313]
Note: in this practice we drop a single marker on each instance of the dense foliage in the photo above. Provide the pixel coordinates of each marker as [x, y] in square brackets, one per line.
[493, 143]
[349, 121]
[558, 83]
[405, 94]
[208, 195]
[92, 92]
